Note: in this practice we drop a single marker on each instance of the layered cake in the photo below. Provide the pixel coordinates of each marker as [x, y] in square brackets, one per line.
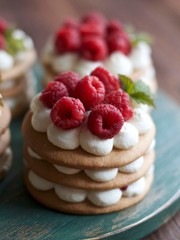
[17, 55]
[95, 41]
[86, 149]
[5, 150]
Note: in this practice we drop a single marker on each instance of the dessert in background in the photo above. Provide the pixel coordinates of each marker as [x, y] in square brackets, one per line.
[17, 56]
[5, 149]
[87, 150]
[92, 41]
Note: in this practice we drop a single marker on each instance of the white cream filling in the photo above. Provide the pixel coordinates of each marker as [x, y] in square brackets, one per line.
[133, 167]
[152, 146]
[65, 62]
[102, 175]
[135, 188]
[85, 67]
[127, 137]
[66, 170]
[65, 139]
[141, 120]
[41, 119]
[39, 182]
[6, 61]
[33, 154]
[118, 63]
[36, 104]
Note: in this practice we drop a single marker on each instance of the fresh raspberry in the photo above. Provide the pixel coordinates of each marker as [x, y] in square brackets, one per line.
[114, 26]
[67, 40]
[119, 42]
[2, 42]
[68, 113]
[94, 17]
[91, 29]
[71, 23]
[90, 91]
[110, 81]
[69, 79]
[94, 48]
[3, 25]
[52, 93]
[121, 101]
[105, 121]
[124, 188]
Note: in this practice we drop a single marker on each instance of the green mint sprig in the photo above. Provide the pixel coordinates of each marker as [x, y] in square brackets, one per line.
[13, 45]
[138, 91]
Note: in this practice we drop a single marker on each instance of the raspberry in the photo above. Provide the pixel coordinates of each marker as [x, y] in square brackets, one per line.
[70, 23]
[119, 42]
[110, 81]
[105, 121]
[114, 26]
[91, 29]
[90, 91]
[124, 188]
[121, 101]
[94, 17]
[68, 113]
[52, 93]
[2, 42]
[94, 48]
[3, 25]
[69, 79]
[67, 40]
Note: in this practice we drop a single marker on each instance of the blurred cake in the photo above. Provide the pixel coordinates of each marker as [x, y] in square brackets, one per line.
[95, 41]
[5, 149]
[17, 56]
[86, 149]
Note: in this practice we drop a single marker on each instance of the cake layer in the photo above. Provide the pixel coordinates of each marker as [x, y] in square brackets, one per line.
[78, 158]
[50, 199]
[80, 180]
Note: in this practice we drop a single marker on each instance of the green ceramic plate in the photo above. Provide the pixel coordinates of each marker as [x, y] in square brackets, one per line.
[21, 217]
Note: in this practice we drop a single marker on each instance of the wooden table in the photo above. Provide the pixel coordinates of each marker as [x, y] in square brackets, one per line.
[160, 18]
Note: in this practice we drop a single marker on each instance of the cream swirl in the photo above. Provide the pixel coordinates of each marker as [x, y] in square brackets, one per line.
[133, 167]
[65, 62]
[85, 67]
[6, 61]
[135, 188]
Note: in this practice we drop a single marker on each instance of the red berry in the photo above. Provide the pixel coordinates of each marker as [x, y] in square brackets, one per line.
[69, 79]
[94, 17]
[94, 48]
[110, 81]
[52, 93]
[91, 29]
[2, 42]
[121, 101]
[105, 121]
[67, 40]
[114, 26]
[119, 42]
[71, 23]
[124, 188]
[68, 113]
[3, 25]
[90, 91]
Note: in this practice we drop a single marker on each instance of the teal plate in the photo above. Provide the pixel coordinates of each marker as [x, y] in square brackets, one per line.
[21, 217]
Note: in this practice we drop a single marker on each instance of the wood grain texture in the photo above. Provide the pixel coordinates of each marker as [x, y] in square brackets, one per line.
[161, 18]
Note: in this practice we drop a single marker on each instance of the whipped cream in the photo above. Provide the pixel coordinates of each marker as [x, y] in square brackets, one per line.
[67, 170]
[39, 182]
[141, 120]
[36, 104]
[33, 154]
[65, 62]
[135, 188]
[105, 198]
[102, 175]
[127, 137]
[6, 61]
[133, 167]
[41, 119]
[118, 63]
[141, 55]
[93, 144]
[85, 67]
[65, 139]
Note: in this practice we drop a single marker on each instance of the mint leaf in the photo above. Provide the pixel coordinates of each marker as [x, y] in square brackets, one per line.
[144, 98]
[126, 84]
[140, 86]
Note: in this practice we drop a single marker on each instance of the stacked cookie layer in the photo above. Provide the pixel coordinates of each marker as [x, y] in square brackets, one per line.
[80, 182]
[5, 150]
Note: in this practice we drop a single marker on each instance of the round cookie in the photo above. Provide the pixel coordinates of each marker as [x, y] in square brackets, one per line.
[78, 158]
[81, 180]
[50, 199]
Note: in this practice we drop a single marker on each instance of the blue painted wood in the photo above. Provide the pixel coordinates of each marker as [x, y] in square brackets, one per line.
[23, 218]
